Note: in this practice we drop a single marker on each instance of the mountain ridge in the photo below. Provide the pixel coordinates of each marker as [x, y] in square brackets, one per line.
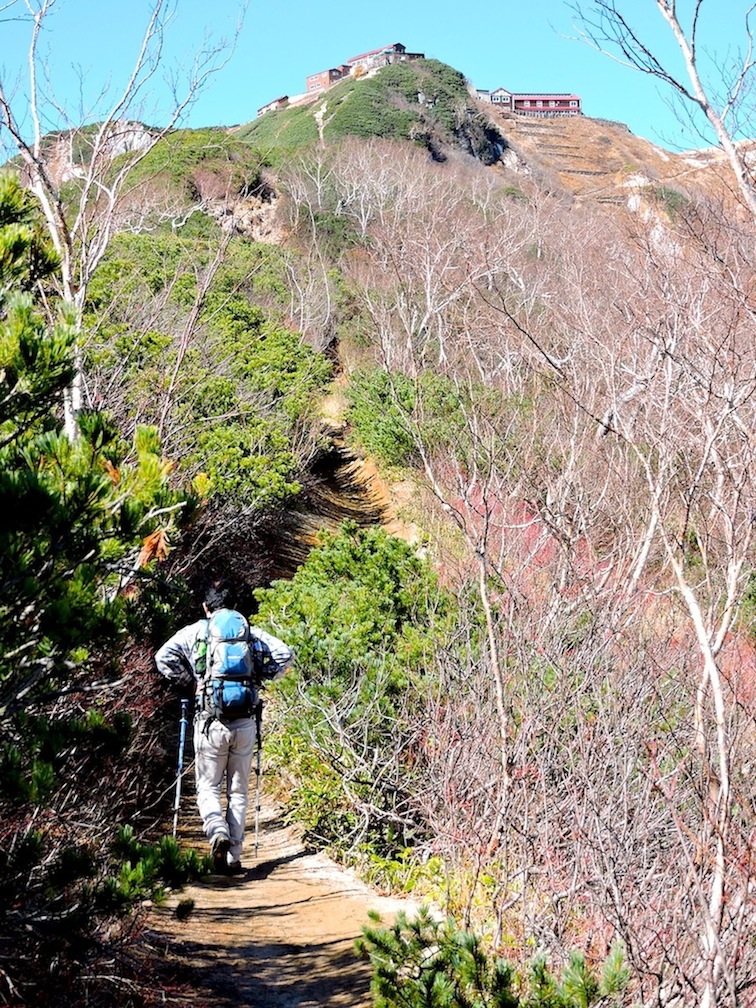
[428, 104]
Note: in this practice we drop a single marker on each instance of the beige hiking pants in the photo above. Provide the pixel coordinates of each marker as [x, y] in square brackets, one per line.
[223, 750]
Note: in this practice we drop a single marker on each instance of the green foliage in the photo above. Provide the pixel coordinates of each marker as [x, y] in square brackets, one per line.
[36, 365]
[35, 360]
[47, 744]
[249, 462]
[74, 516]
[70, 511]
[376, 107]
[423, 101]
[143, 271]
[361, 598]
[136, 267]
[198, 163]
[361, 613]
[279, 133]
[141, 871]
[379, 403]
[234, 390]
[71, 514]
[401, 871]
[615, 975]
[423, 963]
[25, 256]
[336, 233]
[747, 611]
[389, 412]
[672, 200]
[144, 870]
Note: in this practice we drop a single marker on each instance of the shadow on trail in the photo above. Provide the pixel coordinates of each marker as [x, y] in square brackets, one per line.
[256, 872]
[218, 917]
[280, 934]
[264, 868]
[272, 545]
[276, 975]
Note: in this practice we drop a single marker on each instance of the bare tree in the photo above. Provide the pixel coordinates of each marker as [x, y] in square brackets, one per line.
[680, 401]
[111, 150]
[599, 467]
[610, 25]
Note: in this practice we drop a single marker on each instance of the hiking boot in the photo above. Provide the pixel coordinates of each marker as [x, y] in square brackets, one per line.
[219, 848]
[234, 868]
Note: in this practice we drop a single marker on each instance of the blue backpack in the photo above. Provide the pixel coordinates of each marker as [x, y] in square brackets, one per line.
[229, 688]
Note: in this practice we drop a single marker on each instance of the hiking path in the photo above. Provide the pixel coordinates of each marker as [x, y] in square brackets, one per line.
[279, 935]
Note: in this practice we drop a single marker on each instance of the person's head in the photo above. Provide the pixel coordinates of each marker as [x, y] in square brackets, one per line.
[219, 594]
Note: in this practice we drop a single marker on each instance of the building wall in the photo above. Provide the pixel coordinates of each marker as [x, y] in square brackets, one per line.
[533, 105]
[318, 81]
[396, 53]
[324, 79]
[274, 106]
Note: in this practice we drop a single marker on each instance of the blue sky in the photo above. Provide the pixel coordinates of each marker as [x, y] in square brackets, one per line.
[525, 45]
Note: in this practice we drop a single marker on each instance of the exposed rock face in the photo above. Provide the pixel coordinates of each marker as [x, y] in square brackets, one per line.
[128, 136]
[251, 216]
[601, 161]
[69, 154]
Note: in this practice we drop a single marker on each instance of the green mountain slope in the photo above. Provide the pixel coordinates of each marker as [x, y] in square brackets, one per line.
[426, 102]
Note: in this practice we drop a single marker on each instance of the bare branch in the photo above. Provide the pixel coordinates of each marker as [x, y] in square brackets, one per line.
[608, 29]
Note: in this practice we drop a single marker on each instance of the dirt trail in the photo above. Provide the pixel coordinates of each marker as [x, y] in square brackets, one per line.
[280, 935]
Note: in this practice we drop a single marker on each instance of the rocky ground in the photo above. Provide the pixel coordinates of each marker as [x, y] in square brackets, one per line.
[281, 934]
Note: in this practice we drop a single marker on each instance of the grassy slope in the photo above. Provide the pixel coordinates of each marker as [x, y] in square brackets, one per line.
[426, 102]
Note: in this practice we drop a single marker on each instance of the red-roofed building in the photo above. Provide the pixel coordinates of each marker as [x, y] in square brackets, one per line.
[533, 104]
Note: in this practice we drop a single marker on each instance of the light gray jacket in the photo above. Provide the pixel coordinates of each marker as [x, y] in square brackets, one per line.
[177, 657]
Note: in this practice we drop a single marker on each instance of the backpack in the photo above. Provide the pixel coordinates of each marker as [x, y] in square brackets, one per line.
[226, 666]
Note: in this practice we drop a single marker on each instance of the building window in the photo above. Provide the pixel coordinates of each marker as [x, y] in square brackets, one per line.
[573, 103]
[552, 104]
[539, 103]
[526, 103]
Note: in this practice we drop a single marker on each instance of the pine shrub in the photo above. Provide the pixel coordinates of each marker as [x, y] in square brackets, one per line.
[426, 963]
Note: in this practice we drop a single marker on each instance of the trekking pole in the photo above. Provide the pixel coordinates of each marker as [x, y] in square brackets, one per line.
[180, 768]
[258, 769]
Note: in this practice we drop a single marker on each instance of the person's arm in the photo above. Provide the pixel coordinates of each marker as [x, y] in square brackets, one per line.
[276, 656]
[175, 659]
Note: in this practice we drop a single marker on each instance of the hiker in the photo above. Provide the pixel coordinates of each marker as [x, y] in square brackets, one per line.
[225, 659]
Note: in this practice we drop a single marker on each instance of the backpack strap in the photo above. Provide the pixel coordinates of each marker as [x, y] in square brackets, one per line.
[201, 675]
[200, 654]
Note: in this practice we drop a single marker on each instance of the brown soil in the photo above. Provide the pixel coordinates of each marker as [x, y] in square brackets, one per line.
[280, 935]
[603, 161]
